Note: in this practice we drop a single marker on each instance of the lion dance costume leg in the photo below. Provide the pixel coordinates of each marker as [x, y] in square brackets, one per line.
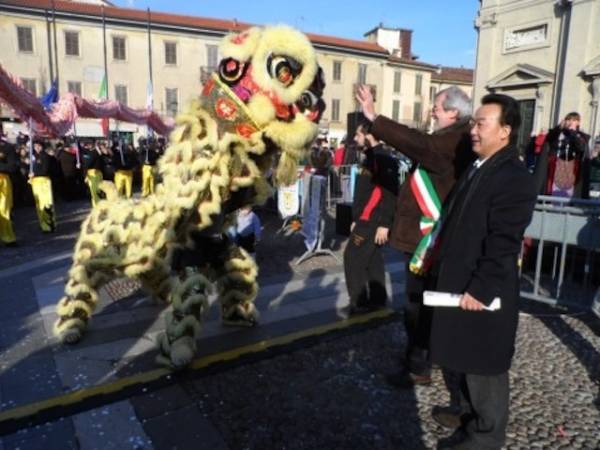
[260, 108]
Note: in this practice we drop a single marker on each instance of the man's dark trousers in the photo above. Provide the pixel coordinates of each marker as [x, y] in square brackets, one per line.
[485, 398]
[364, 267]
[417, 322]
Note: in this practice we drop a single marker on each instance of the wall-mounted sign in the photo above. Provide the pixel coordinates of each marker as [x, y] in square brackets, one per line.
[525, 37]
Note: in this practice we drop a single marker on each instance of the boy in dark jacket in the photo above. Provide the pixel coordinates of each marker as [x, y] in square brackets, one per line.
[373, 214]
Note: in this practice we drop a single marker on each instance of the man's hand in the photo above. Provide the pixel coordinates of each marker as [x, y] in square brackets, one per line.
[469, 303]
[365, 98]
[381, 235]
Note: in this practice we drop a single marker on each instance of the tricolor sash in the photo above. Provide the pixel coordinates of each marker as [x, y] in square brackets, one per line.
[431, 208]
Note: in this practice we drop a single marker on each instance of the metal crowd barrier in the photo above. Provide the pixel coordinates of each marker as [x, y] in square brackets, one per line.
[341, 181]
[559, 224]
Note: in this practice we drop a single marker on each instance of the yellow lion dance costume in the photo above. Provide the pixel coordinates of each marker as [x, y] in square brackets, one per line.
[263, 103]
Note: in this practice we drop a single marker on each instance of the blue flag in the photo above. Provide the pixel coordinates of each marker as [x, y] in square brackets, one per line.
[51, 96]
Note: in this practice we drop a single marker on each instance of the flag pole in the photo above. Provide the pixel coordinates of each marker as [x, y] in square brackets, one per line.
[49, 39]
[55, 47]
[120, 145]
[30, 145]
[150, 88]
[105, 121]
[77, 159]
[150, 56]
[104, 49]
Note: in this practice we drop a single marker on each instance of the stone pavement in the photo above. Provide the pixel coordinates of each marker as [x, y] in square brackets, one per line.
[327, 395]
[120, 341]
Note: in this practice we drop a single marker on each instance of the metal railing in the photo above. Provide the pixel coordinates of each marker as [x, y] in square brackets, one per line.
[341, 180]
[560, 224]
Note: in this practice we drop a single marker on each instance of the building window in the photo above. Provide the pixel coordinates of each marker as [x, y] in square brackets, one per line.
[397, 81]
[25, 39]
[30, 85]
[171, 53]
[396, 110]
[432, 92]
[362, 74]
[121, 94]
[418, 84]
[212, 55]
[171, 101]
[337, 71]
[74, 87]
[335, 110]
[71, 43]
[119, 48]
[417, 113]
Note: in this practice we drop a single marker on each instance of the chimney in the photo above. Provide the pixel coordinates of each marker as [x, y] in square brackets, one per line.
[406, 43]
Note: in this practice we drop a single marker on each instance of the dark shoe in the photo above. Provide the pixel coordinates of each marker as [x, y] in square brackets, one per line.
[447, 416]
[11, 244]
[456, 441]
[356, 310]
[407, 380]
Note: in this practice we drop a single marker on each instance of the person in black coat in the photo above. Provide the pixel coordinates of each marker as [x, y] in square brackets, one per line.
[476, 255]
[149, 152]
[558, 168]
[41, 186]
[69, 159]
[91, 162]
[125, 160]
[372, 213]
[8, 166]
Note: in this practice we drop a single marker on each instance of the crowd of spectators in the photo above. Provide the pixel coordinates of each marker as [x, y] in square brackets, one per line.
[70, 158]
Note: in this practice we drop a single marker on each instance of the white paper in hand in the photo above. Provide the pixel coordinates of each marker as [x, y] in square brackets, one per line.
[434, 298]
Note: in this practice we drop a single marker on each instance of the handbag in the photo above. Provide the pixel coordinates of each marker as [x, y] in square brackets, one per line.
[564, 175]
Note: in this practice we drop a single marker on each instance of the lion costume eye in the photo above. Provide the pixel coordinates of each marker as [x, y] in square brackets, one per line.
[307, 100]
[283, 69]
[231, 70]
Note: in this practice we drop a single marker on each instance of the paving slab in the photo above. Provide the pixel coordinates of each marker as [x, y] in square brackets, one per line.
[184, 429]
[120, 341]
[161, 401]
[59, 435]
[29, 380]
[111, 427]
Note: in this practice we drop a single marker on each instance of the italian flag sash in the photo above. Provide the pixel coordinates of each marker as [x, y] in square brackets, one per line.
[431, 208]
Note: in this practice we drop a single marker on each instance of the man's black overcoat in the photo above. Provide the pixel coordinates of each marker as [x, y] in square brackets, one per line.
[479, 244]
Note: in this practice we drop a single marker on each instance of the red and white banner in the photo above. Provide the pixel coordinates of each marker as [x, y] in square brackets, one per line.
[59, 120]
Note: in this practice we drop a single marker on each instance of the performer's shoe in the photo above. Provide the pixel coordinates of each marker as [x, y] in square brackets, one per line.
[448, 416]
[407, 380]
[11, 244]
[238, 320]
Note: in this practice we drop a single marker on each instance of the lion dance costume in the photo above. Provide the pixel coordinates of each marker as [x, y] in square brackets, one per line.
[260, 108]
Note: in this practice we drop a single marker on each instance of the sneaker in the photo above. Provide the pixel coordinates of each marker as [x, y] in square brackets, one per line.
[447, 416]
[407, 380]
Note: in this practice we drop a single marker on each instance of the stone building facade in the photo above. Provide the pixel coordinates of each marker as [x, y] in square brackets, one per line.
[75, 42]
[546, 54]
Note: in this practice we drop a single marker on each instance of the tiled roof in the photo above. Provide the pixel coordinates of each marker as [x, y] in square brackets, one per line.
[455, 74]
[412, 62]
[219, 25]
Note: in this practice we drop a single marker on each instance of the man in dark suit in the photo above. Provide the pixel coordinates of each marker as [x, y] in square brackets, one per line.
[476, 255]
